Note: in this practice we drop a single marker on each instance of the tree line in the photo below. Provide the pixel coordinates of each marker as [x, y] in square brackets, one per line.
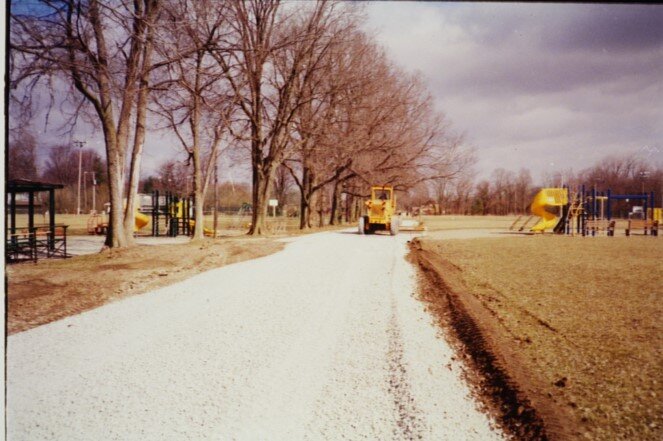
[295, 89]
[509, 192]
[59, 164]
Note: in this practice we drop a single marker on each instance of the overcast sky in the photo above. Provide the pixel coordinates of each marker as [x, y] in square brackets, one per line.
[542, 86]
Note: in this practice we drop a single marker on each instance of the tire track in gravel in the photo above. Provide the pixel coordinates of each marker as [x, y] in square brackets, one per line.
[409, 419]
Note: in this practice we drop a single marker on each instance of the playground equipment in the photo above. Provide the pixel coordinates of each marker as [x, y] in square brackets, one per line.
[173, 215]
[206, 231]
[555, 197]
[590, 212]
[515, 225]
[98, 224]
[170, 215]
[140, 220]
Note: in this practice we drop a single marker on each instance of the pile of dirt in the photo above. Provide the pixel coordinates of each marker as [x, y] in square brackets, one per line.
[516, 398]
[42, 292]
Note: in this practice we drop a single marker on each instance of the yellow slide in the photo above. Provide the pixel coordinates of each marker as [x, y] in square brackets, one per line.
[140, 220]
[206, 231]
[555, 197]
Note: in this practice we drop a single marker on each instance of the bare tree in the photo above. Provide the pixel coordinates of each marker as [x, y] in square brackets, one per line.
[268, 59]
[192, 96]
[523, 191]
[22, 156]
[172, 176]
[101, 49]
[282, 185]
[323, 151]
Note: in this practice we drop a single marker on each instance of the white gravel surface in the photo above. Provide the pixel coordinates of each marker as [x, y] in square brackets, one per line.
[323, 340]
[79, 245]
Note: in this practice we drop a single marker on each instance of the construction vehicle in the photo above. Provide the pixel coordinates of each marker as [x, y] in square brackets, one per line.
[381, 212]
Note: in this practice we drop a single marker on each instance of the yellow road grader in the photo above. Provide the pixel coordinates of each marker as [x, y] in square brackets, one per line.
[381, 214]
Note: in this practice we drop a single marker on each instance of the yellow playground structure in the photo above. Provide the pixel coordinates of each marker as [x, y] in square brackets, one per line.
[554, 197]
[97, 223]
[589, 212]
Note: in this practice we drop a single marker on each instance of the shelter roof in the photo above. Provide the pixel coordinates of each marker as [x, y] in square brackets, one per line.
[25, 185]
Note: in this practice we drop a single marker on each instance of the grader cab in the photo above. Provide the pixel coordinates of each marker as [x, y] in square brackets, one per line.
[381, 212]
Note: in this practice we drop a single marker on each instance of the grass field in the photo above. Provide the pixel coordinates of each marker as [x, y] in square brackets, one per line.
[78, 224]
[449, 222]
[585, 317]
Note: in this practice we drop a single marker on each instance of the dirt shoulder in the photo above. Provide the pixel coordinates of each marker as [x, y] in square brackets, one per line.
[53, 289]
[494, 369]
[562, 335]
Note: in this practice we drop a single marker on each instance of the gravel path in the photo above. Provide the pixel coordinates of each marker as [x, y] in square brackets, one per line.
[323, 340]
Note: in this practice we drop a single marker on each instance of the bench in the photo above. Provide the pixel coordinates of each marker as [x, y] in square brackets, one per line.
[55, 245]
[29, 244]
[642, 224]
[21, 246]
[275, 226]
[594, 227]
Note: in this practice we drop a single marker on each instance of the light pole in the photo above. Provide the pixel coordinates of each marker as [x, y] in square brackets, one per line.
[94, 192]
[79, 144]
[644, 175]
[94, 188]
[216, 193]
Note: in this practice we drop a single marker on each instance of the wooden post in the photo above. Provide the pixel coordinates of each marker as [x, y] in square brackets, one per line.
[216, 197]
[51, 219]
[31, 211]
[12, 211]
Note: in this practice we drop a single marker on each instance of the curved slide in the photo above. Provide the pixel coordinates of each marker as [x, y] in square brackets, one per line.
[555, 197]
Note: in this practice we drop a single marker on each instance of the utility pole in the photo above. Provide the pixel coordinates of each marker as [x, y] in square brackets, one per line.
[79, 144]
[216, 195]
[94, 192]
[94, 188]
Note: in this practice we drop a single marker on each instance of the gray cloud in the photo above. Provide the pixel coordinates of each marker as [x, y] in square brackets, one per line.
[539, 85]
[613, 28]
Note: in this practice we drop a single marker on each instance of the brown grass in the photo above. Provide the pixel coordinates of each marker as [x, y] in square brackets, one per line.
[78, 223]
[584, 315]
[52, 289]
[450, 222]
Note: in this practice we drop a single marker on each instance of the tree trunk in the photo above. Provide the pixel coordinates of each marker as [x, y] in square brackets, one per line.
[198, 231]
[134, 168]
[134, 179]
[334, 205]
[305, 199]
[303, 209]
[115, 234]
[139, 135]
[321, 208]
[260, 189]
